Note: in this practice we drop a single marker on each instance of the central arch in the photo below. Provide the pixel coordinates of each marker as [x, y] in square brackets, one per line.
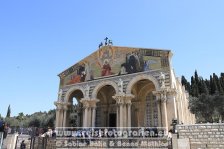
[106, 115]
[102, 84]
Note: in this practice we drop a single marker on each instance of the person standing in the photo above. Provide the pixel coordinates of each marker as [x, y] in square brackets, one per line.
[23, 145]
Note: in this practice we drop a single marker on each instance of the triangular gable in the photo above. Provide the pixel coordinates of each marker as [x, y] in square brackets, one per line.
[112, 60]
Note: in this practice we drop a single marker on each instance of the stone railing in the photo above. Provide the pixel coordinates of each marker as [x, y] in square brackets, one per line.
[204, 136]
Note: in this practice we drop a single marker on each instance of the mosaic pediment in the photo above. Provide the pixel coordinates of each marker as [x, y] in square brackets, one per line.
[111, 61]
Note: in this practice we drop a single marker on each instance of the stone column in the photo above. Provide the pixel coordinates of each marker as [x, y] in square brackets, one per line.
[85, 113]
[119, 101]
[65, 115]
[92, 103]
[93, 116]
[182, 110]
[124, 109]
[121, 115]
[128, 98]
[57, 117]
[89, 116]
[124, 115]
[85, 122]
[129, 114]
[178, 109]
[164, 115]
[59, 114]
[162, 96]
[171, 94]
[118, 116]
[159, 111]
[83, 117]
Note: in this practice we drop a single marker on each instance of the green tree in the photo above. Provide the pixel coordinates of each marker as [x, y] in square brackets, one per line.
[196, 77]
[218, 83]
[194, 90]
[203, 106]
[219, 106]
[185, 83]
[221, 79]
[213, 86]
[20, 116]
[34, 122]
[8, 111]
[203, 87]
[206, 97]
[12, 121]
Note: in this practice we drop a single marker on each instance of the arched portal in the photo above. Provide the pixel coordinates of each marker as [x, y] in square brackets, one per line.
[74, 115]
[106, 107]
[145, 109]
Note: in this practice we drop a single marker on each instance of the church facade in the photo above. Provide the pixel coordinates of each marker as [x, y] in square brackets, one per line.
[122, 87]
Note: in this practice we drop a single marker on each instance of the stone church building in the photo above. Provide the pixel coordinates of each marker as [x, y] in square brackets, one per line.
[123, 87]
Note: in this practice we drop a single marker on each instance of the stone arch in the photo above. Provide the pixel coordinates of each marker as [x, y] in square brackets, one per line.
[102, 84]
[142, 77]
[71, 90]
[142, 92]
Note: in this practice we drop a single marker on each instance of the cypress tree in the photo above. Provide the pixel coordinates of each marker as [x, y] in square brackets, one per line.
[195, 92]
[185, 83]
[192, 83]
[222, 75]
[207, 82]
[200, 86]
[183, 80]
[204, 88]
[194, 88]
[219, 87]
[8, 111]
[196, 77]
[221, 79]
[213, 86]
[221, 92]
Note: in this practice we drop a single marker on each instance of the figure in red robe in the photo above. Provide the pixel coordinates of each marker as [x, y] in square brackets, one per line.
[106, 70]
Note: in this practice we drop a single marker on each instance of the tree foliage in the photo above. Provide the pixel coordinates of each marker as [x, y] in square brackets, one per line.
[38, 119]
[8, 111]
[206, 97]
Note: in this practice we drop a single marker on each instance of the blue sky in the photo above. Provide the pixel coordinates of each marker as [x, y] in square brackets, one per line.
[39, 39]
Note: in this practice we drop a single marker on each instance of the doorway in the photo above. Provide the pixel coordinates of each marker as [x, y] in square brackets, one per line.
[112, 119]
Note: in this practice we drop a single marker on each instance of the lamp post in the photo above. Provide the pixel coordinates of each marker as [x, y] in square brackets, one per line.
[174, 123]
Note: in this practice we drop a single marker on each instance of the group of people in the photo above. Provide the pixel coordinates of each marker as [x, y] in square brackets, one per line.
[4, 128]
[50, 133]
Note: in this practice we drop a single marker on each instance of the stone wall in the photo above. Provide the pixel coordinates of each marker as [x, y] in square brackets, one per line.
[203, 136]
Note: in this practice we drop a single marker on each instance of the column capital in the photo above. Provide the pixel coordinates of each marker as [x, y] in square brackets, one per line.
[88, 102]
[123, 98]
[93, 102]
[119, 98]
[66, 105]
[128, 103]
[85, 102]
[163, 93]
[59, 105]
